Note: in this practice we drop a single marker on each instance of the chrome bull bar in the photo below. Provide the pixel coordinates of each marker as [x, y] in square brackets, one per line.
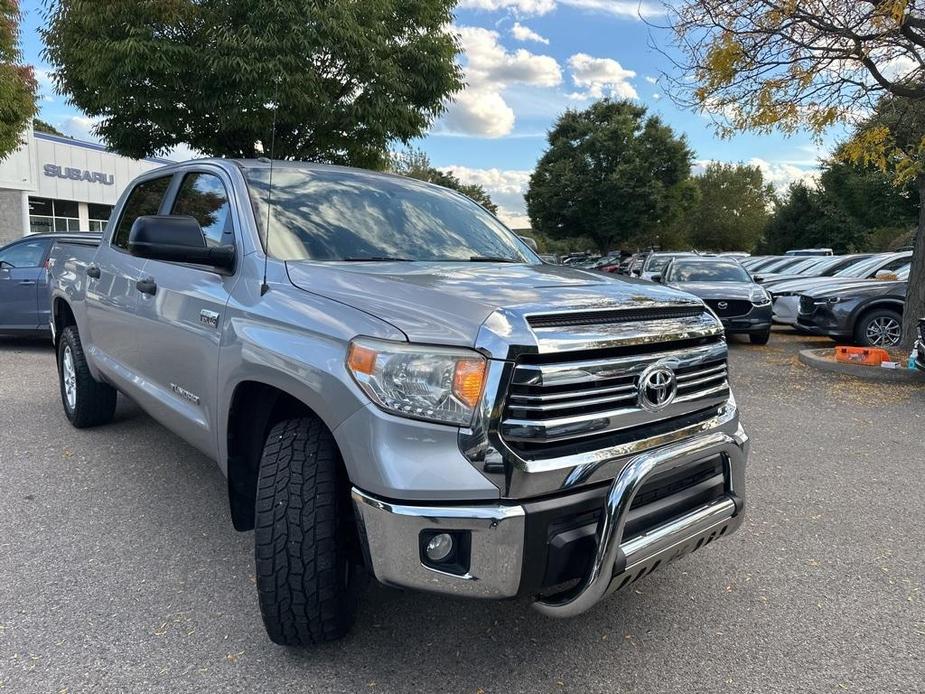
[616, 562]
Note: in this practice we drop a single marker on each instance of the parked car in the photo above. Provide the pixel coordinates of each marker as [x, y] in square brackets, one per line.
[920, 346]
[824, 266]
[399, 386]
[811, 251]
[24, 303]
[868, 314]
[786, 295]
[656, 262]
[741, 304]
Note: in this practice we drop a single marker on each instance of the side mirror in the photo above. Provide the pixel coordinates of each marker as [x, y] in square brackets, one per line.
[530, 242]
[5, 266]
[657, 277]
[178, 239]
[886, 275]
[758, 278]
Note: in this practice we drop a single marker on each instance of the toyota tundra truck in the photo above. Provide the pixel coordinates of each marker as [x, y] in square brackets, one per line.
[395, 385]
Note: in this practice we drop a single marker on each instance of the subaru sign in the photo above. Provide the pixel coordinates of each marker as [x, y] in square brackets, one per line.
[55, 171]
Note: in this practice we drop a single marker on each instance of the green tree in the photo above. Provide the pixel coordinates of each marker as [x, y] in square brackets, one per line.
[733, 208]
[342, 78]
[41, 126]
[415, 163]
[17, 82]
[803, 66]
[610, 174]
[810, 218]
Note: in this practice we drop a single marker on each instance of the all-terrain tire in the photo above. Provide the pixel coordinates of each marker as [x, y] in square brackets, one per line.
[760, 338]
[305, 539]
[86, 401]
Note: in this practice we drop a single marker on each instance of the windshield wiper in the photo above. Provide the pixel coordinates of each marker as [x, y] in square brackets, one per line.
[378, 259]
[491, 259]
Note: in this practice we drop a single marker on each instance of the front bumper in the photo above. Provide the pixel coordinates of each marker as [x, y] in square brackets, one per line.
[757, 320]
[504, 558]
[786, 309]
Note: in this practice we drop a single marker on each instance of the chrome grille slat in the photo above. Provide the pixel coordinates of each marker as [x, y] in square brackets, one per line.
[586, 395]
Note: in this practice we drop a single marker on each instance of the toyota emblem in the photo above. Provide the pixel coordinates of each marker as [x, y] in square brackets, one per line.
[658, 387]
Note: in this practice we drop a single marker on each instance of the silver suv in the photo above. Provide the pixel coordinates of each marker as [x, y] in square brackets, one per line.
[399, 387]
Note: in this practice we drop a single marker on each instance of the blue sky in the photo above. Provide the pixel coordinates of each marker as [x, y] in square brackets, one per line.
[526, 61]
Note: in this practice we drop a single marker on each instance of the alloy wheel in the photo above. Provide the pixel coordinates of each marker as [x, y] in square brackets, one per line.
[884, 331]
[69, 376]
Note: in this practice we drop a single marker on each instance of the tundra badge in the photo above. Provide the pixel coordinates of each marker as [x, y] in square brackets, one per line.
[209, 318]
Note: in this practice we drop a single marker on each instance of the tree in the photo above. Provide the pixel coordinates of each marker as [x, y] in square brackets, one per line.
[809, 218]
[733, 208]
[415, 163]
[788, 65]
[41, 126]
[17, 82]
[609, 173]
[341, 79]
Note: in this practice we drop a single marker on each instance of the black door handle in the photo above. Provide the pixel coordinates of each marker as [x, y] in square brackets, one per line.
[147, 285]
[93, 271]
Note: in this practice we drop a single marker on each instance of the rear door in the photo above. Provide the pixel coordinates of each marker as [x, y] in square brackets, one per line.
[180, 325]
[112, 291]
[22, 272]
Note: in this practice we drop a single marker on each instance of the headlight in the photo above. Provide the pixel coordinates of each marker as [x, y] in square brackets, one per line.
[830, 300]
[760, 297]
[436, 384]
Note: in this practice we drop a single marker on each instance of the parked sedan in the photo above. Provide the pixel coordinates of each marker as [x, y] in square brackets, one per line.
[867, 313]
[24, 302]
[740, 303]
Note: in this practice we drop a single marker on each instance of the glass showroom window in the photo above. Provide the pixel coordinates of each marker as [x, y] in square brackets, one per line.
[52, 215]
[99, 215]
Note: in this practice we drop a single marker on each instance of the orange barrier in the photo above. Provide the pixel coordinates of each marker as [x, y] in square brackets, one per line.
[870, 356]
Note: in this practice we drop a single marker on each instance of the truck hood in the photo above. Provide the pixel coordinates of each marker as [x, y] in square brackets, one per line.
[447, 303]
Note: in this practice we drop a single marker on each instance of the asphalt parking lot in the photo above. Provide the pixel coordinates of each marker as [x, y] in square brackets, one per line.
[119, 569]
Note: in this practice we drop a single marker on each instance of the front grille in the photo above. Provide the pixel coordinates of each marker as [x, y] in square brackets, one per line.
[559, 401]
[807, 305]
[726, 308]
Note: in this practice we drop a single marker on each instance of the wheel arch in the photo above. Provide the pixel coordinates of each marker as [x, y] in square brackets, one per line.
[885, 302]
[255, 407]
[62, 315]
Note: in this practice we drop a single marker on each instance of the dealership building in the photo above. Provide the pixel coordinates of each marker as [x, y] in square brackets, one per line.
[54, 183]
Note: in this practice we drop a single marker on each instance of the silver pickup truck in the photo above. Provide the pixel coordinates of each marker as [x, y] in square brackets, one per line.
[399, 387]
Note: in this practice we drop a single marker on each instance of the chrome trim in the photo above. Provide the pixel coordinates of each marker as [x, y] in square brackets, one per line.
[572, 394]
[392, 535]
[605, 572]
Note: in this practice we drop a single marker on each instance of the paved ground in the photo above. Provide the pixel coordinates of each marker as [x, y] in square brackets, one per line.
[119, 569]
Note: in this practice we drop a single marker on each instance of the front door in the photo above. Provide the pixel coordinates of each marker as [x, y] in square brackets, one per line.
[181, 322]
[22, 270]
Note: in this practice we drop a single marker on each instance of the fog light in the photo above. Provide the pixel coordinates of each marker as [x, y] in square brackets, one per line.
[439, 547]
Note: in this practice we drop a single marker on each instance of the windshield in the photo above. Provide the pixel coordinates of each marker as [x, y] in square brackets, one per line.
[700, 271]
[335, 214]
[867, 267]
[655, 263]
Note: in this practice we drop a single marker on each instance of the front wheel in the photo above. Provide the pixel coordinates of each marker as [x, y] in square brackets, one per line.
[308, 578]
[87, 402]
[881, 327]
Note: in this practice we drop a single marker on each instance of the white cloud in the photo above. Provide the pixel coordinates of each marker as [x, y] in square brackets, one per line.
[651, 80]
[600, 77]
[80, 128]
[657, 96]
[780, 174]
[527, 7]
[523, 33]
[506, 187]
[480, 109]
[620, 8]
[632, 9]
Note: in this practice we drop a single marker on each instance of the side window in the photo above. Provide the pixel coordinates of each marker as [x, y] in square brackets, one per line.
[203, 197]
[25, 254]
[145, 199]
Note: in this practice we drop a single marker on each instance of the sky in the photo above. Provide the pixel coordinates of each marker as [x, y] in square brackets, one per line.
[525, 63]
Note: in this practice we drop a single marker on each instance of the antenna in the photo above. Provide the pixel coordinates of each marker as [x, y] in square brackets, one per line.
[264, 288]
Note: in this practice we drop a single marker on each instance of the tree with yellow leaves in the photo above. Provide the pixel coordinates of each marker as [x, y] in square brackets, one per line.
[805, 65]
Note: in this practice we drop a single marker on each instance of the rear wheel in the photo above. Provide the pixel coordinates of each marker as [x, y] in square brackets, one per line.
[881, 327]
[308, 578]
[760, 338]
[87, 402]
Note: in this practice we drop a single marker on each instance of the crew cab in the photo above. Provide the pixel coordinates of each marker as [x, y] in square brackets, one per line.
[395, 385]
